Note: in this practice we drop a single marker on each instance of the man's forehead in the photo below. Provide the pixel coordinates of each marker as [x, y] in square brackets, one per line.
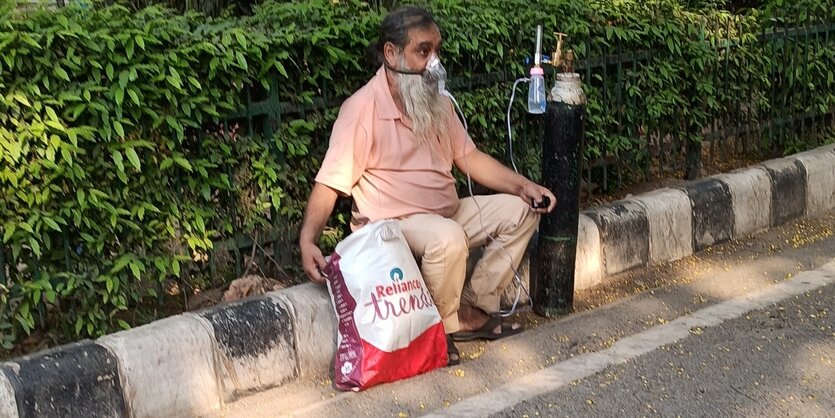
[429, 36]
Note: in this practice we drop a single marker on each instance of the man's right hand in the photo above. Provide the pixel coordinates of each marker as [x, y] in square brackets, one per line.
[319, 207]
[312, 262]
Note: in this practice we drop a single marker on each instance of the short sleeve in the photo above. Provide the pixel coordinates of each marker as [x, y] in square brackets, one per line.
[347, 155]
[462, 144]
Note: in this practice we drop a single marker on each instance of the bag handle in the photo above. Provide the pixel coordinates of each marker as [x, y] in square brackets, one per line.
[388, 233]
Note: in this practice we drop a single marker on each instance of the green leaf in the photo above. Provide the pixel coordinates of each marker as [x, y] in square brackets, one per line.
[119, 129]
[139, 41]
[55, 125]
[119, 96]
[121, 263]
[124, 79]
[60, 73]
[173, 82]
[193, 81]
[201, 226]
[8, 231]
[174, 73]
[175, 267]
[134, 268]
[241, 39]
[129, 49]
[134, 96]
[22, 99]
[182, 162]
[50, 112]
[118, 160]
[26, 227]
[124, 325]
[52, 224]
[280, 67]
[133, 158]
[241, 60]
[36, 247]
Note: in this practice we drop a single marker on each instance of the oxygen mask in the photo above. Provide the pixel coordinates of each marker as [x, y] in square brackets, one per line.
[435, 73]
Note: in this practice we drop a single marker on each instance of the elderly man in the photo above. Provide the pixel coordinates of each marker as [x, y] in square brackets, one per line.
[392, 150]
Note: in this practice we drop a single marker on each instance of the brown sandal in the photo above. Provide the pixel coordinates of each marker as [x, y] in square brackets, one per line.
[485, 332]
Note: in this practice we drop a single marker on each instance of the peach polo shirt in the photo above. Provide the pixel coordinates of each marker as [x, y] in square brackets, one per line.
[374, 158]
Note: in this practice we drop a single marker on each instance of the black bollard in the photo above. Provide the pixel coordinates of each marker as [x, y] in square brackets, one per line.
[552, 279]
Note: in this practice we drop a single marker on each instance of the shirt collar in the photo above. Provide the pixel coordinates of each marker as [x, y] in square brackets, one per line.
[386, 109]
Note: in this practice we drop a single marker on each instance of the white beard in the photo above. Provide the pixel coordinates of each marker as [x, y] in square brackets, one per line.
[425, 106]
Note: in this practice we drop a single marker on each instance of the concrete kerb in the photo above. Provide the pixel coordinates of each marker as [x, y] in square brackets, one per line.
[670, 218]
[820, 178]
[624, 235]
[751, 199]
[788, 189]
[8, 403]
[168, 367]
[713, 214]
[314, 325]
[255, 344]
[588, 264]
[190, 364]
[78, 380]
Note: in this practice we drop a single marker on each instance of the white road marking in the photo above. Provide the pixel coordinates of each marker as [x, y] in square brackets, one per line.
[562, 373]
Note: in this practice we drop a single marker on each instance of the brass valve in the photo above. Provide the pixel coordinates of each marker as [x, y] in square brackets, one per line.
[556, 56]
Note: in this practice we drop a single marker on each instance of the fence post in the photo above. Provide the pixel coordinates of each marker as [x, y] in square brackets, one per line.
[3, 277]
[694, 151]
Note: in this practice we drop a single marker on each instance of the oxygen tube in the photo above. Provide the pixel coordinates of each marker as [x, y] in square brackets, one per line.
[536, 105]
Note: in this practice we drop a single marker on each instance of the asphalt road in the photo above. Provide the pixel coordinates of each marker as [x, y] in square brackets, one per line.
[741, 329]
[773, 362]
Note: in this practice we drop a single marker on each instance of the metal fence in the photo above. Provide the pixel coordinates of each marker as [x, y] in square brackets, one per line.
[742, 129]
[737, 131]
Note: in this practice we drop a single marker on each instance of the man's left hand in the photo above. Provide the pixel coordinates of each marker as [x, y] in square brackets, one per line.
[532, 192]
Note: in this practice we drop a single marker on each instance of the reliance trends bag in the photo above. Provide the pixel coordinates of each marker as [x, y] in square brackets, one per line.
[389, 327]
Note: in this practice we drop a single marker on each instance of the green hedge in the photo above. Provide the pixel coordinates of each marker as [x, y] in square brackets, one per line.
[120, 169]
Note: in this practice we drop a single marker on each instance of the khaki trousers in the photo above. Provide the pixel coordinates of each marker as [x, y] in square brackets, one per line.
[441, 246]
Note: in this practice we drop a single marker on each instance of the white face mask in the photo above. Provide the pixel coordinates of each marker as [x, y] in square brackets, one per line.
[434, 73]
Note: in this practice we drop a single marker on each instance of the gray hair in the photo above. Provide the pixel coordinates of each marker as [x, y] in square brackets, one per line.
[395, 29]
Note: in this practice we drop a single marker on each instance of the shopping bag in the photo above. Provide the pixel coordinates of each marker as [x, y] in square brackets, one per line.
[389, 327]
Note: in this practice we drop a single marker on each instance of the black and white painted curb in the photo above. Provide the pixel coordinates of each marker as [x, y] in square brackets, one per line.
[191, 364]
[184, 366]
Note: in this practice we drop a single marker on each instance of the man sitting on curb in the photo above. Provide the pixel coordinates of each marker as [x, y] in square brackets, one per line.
[392, 149]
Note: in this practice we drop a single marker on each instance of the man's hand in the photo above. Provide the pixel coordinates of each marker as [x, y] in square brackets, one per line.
[312, 261]
[319, 208]
[531, 191]
[488, 172]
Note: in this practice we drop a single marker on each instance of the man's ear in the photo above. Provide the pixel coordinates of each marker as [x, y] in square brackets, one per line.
[390, 54]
